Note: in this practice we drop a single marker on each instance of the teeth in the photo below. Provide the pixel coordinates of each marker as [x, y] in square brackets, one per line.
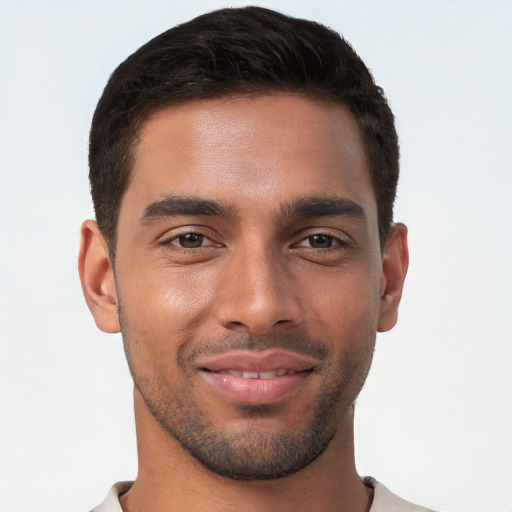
[250, 375]
[260, 375]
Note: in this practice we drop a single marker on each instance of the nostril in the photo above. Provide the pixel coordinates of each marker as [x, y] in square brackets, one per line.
[237, 324]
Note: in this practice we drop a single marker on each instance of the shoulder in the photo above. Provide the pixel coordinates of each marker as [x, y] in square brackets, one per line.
[385, 501]
[111, 502]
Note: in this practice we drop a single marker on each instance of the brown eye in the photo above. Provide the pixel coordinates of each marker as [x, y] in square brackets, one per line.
[190, 240]
[320, 241]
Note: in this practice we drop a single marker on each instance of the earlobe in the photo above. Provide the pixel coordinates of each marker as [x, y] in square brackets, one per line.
[97, 277]
[394, 263]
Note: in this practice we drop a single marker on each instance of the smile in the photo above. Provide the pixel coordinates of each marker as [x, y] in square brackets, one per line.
[258, 375]
[248, 377]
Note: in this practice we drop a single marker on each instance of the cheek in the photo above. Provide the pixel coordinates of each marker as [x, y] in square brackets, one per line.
[171, 293]
[162, 309]
[345, 309]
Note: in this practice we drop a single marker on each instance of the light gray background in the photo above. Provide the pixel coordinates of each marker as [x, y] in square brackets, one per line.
[434, 421]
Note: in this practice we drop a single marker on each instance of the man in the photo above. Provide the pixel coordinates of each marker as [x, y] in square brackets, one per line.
[243, 170]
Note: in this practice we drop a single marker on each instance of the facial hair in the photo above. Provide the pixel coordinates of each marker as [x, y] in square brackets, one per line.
[256, 452]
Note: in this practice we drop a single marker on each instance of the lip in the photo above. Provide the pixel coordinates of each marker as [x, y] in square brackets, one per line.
[269, 360]
[256, 390]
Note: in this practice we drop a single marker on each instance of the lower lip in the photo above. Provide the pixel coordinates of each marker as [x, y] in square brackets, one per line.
[256, 391]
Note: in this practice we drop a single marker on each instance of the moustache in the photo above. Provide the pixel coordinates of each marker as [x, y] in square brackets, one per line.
[298, 343]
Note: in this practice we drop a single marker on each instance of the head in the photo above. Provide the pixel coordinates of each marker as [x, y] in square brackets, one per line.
[243, 169]
[247, 52]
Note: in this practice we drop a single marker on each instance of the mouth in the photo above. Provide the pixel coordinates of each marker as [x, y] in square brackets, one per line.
[256, 375]
[257, 378]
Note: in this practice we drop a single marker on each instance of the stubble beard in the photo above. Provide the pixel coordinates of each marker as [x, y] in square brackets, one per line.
[261, 453]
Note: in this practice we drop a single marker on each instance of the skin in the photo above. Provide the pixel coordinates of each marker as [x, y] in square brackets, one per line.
[257, 276]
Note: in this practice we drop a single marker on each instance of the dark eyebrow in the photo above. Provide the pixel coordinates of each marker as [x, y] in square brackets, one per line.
[318, 206]
[172, 206]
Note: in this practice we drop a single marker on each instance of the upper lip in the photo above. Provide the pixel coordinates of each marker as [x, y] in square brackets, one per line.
[247, 361]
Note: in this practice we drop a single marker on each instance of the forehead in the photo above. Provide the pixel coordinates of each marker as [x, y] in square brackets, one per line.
[251, 152]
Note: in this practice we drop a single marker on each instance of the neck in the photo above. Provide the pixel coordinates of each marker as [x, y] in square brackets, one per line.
[170, 479]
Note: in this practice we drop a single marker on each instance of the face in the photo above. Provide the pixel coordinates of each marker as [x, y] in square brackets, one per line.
[249, 278]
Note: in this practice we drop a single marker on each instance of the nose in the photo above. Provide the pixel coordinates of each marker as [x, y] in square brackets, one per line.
[257, 293]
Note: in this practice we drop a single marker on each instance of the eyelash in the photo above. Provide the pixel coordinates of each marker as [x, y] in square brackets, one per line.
[336, 242]
[176, 237]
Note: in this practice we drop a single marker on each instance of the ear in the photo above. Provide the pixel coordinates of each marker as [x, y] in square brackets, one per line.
[97, 277]
[394, 268]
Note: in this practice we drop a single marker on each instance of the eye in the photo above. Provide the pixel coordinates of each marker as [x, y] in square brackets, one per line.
[319, 241]
[190, 241]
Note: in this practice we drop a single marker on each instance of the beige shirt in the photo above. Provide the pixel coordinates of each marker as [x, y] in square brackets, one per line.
[383, 499]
